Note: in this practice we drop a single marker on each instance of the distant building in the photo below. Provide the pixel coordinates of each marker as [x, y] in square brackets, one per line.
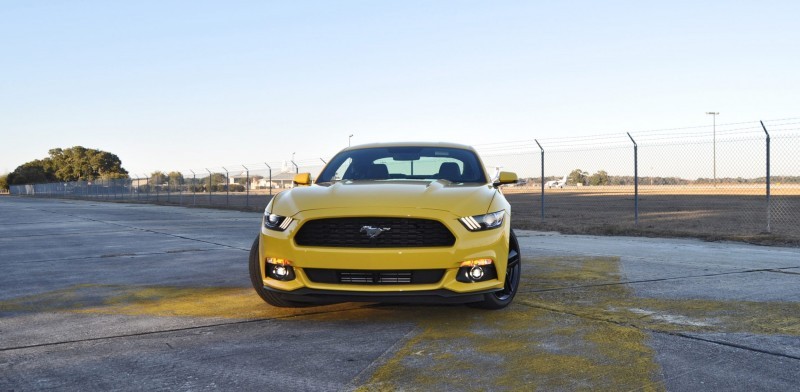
[260, 181]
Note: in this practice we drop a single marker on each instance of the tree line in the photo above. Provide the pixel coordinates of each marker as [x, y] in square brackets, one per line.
[65, 165]
[601, 177]
[176, 181]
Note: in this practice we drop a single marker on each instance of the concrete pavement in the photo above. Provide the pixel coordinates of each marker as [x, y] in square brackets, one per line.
[107, 296]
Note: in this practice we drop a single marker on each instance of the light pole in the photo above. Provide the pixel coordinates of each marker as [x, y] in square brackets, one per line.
[714, 115]
[296, 168]
[348, 139]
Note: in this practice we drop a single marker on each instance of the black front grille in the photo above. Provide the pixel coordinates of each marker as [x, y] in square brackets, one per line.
[374, 277]
[353, 233]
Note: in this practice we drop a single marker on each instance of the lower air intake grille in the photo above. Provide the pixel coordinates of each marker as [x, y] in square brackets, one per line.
[374, 277]
[361, 233]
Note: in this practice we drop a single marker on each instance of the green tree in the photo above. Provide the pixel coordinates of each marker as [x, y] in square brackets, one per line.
[218, 178]
[577, 176]
[175, 178]
[157, 178]
[71, 164]
[4, 182]
[33, 172]
[80, 163]
[599, 178]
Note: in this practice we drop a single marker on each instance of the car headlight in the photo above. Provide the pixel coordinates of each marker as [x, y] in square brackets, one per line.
[276, 222]
[488, 221]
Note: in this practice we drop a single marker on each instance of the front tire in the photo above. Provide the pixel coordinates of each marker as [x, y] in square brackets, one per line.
[501, 299]
[258, 284]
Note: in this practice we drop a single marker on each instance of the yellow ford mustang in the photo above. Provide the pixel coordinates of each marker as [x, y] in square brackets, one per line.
[390, 223]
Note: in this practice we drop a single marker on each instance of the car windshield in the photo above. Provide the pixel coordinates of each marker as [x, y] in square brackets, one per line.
[405, 163]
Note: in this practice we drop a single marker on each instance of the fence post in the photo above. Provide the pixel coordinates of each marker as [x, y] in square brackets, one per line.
[246, 187]
[227, 188]
[769, 210]
[209, 186]
[180, 182]
[194, 187]
[542, 203]
[635, 180]
[270, 178]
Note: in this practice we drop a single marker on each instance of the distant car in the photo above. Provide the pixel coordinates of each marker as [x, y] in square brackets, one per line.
[390, 223]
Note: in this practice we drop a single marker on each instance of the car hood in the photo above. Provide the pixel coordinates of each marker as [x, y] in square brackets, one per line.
[460, 199]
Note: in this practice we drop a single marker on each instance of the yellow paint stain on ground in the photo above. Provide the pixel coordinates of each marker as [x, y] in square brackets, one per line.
[521, 347]
[666, 315]
[614, 303]
[160, 301]
[590, 336]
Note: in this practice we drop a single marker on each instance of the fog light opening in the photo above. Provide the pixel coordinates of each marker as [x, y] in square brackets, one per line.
[476, 270]
[280, 271]
[476, 273]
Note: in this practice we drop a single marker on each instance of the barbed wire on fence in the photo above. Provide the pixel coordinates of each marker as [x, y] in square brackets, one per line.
[739, 179]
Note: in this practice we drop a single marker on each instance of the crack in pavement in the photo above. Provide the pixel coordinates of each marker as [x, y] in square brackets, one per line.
[147, 230]
[34, 223]
[196, 327]
[69, 233]
[105, 256]
[780, 270]
[677, 334]
[363, 376]
[562, 251]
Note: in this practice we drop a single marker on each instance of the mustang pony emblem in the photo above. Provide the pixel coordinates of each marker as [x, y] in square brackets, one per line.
[374, 232]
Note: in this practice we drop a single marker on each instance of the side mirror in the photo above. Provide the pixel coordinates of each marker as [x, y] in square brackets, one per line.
[302, 179]
[506, 178]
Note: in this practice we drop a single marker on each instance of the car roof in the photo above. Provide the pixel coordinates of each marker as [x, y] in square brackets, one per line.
[410, 144]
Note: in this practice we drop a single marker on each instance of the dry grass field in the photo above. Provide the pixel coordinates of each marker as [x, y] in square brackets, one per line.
[736, 212]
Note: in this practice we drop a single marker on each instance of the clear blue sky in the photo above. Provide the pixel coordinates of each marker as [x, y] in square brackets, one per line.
[172, 85]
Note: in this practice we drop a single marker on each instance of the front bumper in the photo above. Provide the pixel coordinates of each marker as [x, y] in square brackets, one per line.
[440, 296]
[492, 244]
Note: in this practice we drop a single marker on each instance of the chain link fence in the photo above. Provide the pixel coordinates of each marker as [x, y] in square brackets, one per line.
[725, 181]
[248, 186]
[735, 181]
